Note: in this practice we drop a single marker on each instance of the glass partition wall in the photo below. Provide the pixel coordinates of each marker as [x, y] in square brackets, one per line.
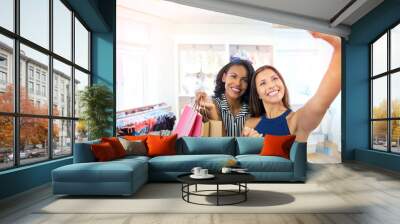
[385, 92]
[44, 64]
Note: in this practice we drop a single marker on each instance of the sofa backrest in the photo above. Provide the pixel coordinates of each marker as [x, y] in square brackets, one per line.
[190, 146]
[206, 145]
[83, 153]
[249, 145]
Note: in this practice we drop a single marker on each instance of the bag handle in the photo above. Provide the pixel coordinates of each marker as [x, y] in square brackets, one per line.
[199, 108]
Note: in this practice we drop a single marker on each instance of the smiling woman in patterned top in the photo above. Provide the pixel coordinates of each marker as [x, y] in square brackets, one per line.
[231, 96]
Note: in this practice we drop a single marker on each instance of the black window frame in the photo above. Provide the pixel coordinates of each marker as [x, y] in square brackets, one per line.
[16, 115]
[388, 74]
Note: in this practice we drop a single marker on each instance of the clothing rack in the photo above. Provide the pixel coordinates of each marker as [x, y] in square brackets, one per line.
[157, 117]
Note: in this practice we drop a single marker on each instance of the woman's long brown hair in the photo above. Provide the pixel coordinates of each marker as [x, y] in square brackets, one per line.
[255, 103]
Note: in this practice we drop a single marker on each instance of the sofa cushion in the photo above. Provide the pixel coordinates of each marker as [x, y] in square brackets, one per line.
[136, 147]
[257, 163]
[103, 152]
[116, 145]
[206, 145]
[112, 171]
[277, 145]
[249, 145]
[185, 163]
[161, 145]
[131, 158]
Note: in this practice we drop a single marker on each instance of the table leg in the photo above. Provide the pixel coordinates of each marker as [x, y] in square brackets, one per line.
[196, 188]
[217, 194]
[188, 190]
[245, 193]
[182, 188]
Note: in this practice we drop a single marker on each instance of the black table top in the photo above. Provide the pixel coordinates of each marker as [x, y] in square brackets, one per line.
[220, 178]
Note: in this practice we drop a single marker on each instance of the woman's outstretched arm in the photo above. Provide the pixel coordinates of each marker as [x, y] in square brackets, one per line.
[311, 114]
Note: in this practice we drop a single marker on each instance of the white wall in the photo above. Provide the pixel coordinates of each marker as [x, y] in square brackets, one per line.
[150, 39]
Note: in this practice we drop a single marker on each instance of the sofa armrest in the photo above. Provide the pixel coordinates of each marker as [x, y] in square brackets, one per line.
[298, 155]
[83, 152]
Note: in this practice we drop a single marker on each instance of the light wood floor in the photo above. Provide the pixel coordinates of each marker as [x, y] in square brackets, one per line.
[378, 188]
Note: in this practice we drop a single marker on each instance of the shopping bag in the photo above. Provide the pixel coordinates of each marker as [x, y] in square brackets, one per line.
[186, 124]
[216, 128]
[197, 126]
[205, 129]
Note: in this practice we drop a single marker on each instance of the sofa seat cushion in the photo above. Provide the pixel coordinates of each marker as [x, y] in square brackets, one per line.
[185, 163]
[112, 171]
[133, 158]
[257, 163]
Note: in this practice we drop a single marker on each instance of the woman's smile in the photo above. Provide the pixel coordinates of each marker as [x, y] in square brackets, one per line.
[236, 90]
[274, 92]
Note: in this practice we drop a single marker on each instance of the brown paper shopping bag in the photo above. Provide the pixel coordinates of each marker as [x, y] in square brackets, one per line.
[216, 128]
[205, 130]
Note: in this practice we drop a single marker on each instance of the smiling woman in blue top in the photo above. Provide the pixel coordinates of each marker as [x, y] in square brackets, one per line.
[231, 96]
[269, 100]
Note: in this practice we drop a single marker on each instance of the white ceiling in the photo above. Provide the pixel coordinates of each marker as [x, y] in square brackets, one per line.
[313, 15]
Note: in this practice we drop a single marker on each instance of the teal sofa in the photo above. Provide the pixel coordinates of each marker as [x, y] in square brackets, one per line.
[125, 176]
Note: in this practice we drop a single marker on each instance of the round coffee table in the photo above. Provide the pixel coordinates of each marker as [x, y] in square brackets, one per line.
[238, 179]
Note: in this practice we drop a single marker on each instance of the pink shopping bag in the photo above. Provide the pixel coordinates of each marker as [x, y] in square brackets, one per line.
[187, 122]
[198, 124]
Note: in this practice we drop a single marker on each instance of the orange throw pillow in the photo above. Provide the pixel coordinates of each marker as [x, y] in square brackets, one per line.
[103, 152]
[275, 145]
[116, 145]
[161, 145]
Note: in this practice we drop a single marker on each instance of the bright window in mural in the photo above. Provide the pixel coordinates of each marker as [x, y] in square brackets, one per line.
[385, 94]
[45, 119]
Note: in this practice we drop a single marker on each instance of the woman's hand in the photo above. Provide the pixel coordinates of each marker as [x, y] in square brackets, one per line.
[332, 40]
[203, 100]
[206, 106]
[250, 132]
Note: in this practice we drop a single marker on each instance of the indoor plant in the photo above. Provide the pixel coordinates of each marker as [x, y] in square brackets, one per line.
[96, 102]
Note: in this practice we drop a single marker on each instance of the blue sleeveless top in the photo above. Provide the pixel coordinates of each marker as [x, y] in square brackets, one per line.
[274, 126]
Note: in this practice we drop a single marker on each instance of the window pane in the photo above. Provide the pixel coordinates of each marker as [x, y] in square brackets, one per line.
[81, 81]
[7, 14]
[81, 45]
[81, 131]
[379, 135]
[379, 98]
[33, 140]
[395, 138]
[35, 21]
[379, 55]
[62, 89]
[395, 94]
[6, 74]
[34, 97]
[395, 47]
[6, 142]
[62, 29]
[62, 138]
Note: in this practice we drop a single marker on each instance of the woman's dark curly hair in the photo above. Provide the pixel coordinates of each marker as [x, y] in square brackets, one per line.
[220, 86]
